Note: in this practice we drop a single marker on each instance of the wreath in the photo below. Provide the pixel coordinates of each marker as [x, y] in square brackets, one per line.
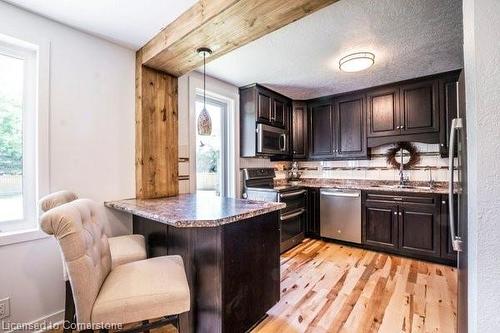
[410, 148]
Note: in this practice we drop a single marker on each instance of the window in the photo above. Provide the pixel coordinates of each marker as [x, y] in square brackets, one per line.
[211, 161]
[18, 137]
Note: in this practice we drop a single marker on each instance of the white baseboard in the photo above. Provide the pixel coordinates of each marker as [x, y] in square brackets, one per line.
[55, 318]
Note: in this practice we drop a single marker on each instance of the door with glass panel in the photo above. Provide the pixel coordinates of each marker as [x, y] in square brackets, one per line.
[211, 161]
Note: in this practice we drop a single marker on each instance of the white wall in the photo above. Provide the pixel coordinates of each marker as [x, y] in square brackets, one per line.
[482, 75]
[91, 148]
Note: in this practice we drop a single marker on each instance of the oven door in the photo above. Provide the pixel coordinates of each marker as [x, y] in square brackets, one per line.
[271, 140]
[293, 218]
[292, 228]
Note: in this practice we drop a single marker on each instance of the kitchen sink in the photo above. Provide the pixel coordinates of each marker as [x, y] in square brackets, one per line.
[402, 187]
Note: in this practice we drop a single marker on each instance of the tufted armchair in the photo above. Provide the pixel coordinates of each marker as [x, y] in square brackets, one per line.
[133, 292]
[124, 249]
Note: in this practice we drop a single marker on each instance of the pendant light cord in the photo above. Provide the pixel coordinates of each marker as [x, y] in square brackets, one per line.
[204, 83]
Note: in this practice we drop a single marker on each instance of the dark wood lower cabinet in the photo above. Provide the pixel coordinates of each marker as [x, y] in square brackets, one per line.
[380, 227]
[312, 222]
[414, 225]
[419, 229]
[233, 270]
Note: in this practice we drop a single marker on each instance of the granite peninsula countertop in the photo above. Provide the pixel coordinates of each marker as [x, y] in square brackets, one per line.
[372, 185]
[195, 210]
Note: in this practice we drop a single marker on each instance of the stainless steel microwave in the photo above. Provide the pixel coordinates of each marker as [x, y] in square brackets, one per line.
[272, 140]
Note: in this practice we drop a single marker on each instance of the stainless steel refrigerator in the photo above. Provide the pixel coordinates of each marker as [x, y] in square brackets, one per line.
[458, 199]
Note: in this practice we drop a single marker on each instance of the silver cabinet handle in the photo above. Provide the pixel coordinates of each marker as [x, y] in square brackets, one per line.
[341, 194]
[283, 136]
[292, 194]
[395, 213]
[400, 213]
[292, 215]
[456, 241]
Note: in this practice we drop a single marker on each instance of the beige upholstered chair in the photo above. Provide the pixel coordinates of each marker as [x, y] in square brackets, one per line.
[133, 292]
[124, 249]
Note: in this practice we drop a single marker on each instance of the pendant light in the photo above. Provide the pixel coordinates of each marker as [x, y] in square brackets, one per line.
[204, 120]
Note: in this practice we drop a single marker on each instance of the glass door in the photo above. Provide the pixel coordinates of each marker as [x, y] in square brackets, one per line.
[211, 149]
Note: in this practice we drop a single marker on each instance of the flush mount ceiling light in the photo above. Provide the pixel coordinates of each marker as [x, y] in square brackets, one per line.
[356, 62]
[204, 120]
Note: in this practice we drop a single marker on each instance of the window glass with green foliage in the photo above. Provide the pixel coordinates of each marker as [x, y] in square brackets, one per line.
[11, 138]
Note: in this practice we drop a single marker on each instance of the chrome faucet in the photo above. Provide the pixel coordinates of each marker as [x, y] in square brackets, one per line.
[431, 180]
[402, 180]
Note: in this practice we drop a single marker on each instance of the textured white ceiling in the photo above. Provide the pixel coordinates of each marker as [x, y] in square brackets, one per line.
[130, 23]
[410, 38]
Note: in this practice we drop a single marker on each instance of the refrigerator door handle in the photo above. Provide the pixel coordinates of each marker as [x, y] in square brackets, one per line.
[456, 241]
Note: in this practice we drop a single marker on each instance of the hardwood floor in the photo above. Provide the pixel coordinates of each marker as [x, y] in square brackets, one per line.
[327, 287]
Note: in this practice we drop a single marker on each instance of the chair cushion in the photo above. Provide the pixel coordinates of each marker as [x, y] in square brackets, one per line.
[125, 249]
[142, 290]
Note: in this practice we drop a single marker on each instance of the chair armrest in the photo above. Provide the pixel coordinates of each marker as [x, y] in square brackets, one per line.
[126, 249]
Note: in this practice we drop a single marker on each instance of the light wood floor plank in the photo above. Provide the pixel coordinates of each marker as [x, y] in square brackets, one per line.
[327, 287]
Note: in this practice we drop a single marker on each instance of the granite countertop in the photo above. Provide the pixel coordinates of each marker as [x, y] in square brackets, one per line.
[373, 185]
[195, 210]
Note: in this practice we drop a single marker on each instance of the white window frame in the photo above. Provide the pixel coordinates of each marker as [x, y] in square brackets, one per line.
[229, 95]
[225, 146]
[35, 135]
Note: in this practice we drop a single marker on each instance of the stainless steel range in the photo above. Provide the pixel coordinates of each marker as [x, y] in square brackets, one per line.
[258, 184]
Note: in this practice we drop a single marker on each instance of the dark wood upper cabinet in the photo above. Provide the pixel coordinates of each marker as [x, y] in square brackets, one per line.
[321, 129]
[347, 125]
[449, 109]
[264, 107]
[383, 112]
[299, 130]
[278, 115]
[261, 105]
[420, 107]
[350, 127]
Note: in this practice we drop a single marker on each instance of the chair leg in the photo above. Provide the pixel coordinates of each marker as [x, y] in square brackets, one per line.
[69, 309]
[145, 322]
[176, 323]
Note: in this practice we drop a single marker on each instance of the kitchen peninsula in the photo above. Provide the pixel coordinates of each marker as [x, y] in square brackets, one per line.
[230, 249]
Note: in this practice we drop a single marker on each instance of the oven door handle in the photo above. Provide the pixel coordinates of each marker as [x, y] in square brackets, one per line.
[292, 194]
[292, 215]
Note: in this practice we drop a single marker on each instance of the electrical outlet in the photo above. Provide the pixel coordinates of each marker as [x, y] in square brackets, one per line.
[4, 308]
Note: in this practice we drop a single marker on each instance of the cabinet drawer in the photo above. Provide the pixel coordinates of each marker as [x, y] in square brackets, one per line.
[429, 199]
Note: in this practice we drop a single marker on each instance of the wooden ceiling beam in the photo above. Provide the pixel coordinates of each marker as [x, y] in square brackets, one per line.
[222, 25]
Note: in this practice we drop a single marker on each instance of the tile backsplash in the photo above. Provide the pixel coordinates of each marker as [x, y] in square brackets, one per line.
[374, 169]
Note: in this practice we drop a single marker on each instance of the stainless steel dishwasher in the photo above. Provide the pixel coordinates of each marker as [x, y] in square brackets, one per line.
[340, 214]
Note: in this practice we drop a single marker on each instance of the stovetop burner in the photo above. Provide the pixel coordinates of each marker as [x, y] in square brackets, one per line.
[262, 179]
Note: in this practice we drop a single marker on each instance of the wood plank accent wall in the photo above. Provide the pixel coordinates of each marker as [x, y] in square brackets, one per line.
[156, 133]
[222, 25]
